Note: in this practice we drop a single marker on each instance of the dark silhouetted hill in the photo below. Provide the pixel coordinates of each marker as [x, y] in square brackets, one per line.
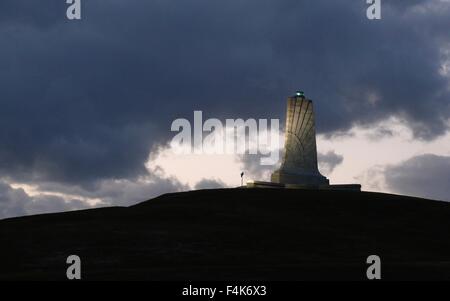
[235, 234]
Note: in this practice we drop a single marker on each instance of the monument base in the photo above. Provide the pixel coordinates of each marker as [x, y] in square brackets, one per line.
[260, 184]
[298, 178]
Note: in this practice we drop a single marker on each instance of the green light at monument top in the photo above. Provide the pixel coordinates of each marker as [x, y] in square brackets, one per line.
[300, 93]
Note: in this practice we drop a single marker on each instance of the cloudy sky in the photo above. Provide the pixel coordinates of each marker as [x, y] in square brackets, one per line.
[87, 105]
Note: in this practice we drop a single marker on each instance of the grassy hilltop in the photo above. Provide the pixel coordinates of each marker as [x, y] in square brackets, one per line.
[262, 234]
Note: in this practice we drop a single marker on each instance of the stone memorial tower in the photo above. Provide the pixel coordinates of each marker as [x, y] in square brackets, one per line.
[299, 165]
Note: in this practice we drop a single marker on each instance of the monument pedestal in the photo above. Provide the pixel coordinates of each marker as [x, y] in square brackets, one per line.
[281, 176]
[261, 184]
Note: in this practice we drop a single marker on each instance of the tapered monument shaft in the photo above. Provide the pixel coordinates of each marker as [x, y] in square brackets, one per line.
[299, 165]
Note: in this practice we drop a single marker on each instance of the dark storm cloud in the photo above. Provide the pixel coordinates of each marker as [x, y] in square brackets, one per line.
[125, 192]
[253, 168]
[122, 192]
[30, 12]
[85, 100]
[404, 4]
[329, 161]
[424, 176]
[16, 202]
[128, 192]
[209, 184]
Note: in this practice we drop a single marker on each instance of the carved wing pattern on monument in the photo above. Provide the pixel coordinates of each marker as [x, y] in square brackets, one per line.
[300, 147]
